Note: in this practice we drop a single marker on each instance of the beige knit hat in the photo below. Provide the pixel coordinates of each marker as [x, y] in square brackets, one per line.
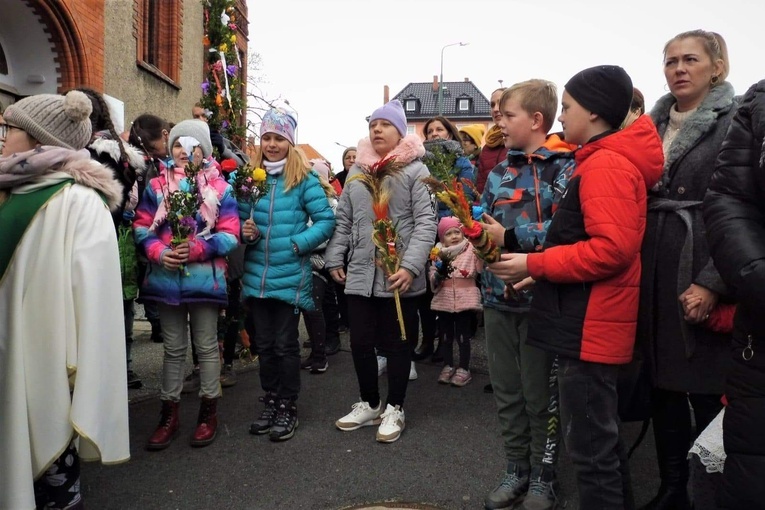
[63, 121]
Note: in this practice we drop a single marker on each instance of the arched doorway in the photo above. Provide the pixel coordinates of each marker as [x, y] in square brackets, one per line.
[43, 50]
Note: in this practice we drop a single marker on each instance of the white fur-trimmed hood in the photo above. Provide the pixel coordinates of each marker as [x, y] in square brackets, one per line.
[108, 147]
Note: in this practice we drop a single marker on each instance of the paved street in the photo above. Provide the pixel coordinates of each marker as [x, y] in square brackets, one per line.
[449, 457]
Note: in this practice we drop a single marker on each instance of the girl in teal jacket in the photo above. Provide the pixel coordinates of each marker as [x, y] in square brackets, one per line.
[277, 267]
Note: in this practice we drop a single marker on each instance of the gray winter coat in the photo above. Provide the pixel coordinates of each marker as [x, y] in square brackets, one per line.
[683, 357]
[412, 212]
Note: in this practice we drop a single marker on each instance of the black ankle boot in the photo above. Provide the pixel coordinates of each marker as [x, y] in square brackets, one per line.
[671, 430]
[423, 351]
[669, 498]
[438, 352]
[156, 332]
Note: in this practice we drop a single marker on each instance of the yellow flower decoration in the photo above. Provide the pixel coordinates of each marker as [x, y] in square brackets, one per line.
[258, 174]
[223, 47]
[434, 253]
[233, 39]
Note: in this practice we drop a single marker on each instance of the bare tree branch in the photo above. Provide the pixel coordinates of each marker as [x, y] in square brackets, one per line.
[257, 101]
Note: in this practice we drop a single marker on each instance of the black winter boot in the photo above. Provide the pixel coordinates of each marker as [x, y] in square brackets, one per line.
[286, 421]
[156, 332]
[671, 428]
[266, 419]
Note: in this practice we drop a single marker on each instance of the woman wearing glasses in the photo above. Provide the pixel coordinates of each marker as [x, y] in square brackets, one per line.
[62, 368]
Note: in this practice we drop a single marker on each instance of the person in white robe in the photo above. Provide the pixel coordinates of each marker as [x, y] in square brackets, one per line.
[63, 392]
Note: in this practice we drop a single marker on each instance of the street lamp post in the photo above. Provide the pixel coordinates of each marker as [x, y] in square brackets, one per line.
[297, 118]
[441, 78]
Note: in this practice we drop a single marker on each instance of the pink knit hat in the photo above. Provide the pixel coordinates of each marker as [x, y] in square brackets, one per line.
[445, 224]
[321, 167]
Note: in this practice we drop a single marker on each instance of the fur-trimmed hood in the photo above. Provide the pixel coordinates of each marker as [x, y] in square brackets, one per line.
[718, 102]
[103, 147]
[93, 174]
[409, 149]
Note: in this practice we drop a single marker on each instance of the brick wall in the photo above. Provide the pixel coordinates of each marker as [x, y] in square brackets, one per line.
[76, 30]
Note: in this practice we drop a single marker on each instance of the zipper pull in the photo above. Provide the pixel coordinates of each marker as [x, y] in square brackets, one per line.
[748, 352]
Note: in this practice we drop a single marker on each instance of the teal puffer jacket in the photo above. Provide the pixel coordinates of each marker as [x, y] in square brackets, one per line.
[272, 269]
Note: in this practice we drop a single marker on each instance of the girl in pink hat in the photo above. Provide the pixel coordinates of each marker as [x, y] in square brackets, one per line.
[456, 298]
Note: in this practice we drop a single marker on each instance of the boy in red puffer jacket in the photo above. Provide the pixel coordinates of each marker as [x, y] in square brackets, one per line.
[588, 275]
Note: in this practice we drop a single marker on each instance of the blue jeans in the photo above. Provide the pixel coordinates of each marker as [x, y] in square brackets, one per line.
[590, 421]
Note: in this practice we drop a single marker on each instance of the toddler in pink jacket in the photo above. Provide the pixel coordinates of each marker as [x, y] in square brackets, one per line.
[456, 298]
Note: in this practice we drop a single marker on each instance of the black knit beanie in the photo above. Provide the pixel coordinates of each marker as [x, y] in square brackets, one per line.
[604, 90]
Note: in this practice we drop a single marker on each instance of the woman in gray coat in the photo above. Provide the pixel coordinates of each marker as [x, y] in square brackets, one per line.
[680, 286]
[369, 291]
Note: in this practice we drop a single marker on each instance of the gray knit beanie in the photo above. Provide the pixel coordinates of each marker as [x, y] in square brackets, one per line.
[63, 121]
[196, 129]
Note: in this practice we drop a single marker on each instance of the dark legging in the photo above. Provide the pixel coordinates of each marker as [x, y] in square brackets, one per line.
[234, 312]
[673, 432]
[374, 324]
[331, 308]
[428, 319]
[315, 323]
[456, 326]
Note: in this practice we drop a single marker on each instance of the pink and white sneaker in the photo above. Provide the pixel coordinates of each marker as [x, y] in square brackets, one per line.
[445, 377]
[461, 377]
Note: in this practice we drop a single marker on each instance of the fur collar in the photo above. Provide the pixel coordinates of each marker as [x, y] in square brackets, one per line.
[93, 174]
[409, 148]
[110, 148]
[448, 146]
[718, 102]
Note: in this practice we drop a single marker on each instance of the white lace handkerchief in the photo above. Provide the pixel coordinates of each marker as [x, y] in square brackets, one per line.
[709, 446]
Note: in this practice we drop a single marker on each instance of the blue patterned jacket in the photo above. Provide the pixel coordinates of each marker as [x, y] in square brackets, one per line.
[522, 194]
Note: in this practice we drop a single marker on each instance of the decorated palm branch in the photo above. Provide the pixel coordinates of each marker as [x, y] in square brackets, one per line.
[250, 185]
[443, 262]
[452, 194]
[384, 234]
[440, 158]
[182, 207]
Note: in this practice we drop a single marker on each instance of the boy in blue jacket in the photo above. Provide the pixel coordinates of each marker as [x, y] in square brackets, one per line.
[519, 200]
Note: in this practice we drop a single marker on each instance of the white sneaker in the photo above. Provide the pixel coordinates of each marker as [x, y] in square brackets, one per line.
[362, 415]
[412, 372]
[382, 365]
[392, 425]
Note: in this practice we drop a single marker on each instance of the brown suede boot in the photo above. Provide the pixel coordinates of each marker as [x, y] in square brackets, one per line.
[207, 423]
[167, 428]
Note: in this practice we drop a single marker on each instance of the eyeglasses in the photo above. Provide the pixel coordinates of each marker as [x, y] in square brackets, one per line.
[5, 128]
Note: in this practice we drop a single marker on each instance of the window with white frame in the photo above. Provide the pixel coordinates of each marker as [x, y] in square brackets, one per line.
[463, 105]
[411, 105]
[410, 130]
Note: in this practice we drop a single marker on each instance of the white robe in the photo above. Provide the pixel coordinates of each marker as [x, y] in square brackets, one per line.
[61, 322]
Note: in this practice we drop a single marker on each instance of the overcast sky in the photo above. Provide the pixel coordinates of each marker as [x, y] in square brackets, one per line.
[331, 59]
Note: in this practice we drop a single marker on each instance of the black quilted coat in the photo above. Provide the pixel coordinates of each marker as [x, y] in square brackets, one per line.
[734, 214]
